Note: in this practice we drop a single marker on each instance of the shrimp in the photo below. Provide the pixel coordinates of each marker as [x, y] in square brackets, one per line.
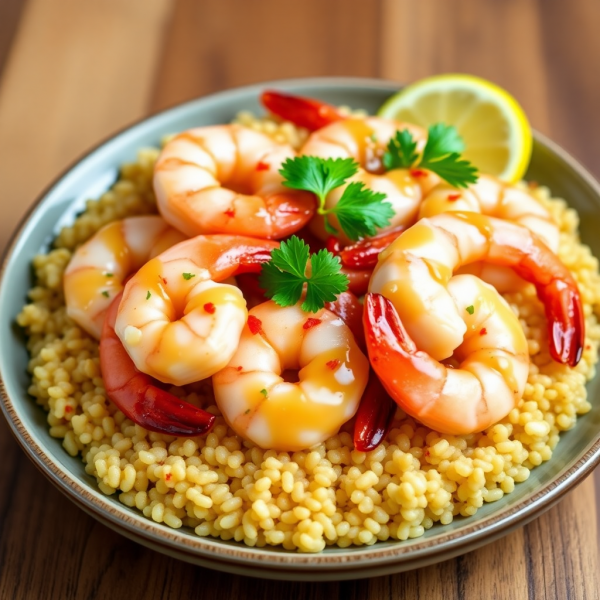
[98, 269]
[305, 112]
[365, 140]
[494, 198]
[176, 321]
[265, 401]
[414, 271]
[493, 361]
[225, 179]
[138, 396]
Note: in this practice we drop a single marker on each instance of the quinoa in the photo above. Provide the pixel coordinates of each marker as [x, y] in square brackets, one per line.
[222, 486]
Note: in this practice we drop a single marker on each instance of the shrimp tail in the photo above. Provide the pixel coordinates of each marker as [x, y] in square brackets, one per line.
[137, 395]
[415, 379]
[566, 322]
[305, 112]
[374, 417]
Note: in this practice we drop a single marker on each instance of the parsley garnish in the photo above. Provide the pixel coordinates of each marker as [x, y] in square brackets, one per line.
[470, 309]
[284, 276]
[148, 295]
[360, 211]
[188, 276]
[105, 294]
[264, 393]
[108, 274]
[440, 155]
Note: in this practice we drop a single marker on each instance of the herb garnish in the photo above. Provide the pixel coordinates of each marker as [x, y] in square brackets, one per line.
[470, 309]
[148, 295]
[284, 276]
[360, 211]
[188, 276]
[442, 155]
[105, 293]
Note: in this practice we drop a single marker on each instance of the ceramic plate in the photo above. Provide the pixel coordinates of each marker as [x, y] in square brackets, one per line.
[577, 454]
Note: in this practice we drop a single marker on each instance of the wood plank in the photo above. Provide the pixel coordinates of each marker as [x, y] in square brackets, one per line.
[10, 15]
[77, 73]
[274, 39]
[500, 41]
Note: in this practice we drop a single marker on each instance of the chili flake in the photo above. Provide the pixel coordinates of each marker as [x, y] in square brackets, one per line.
[483, 331]
[453, 197]
[311, 322]
[254, 324]
[229, 212]
[418, 172]
[262, 166]
[333, 364]
[209, 307]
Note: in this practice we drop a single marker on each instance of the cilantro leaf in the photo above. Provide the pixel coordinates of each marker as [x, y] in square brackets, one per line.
[442, 139]
[325, 282]
[317, 175]
[360, 211]
[440, 155]
[401, 151]
[284, 276]
[457, 171]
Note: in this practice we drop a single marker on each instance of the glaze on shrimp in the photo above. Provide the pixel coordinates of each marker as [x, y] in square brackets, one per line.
[178, 323]
[257, 392]
[99, 268]
[225, 179]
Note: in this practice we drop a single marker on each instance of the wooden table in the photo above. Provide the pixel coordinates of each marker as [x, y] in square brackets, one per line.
[74, 71]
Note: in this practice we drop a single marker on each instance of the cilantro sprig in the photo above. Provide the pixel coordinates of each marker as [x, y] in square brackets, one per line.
[360, 211]
[442, 155]
[284, 276]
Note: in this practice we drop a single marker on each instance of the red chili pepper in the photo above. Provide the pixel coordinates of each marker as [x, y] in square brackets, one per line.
[305, 112]
[374, 417]
[210, 308]
[333, 364]
[138, 396]
[453, 197]
[229, 212]
[254, 324]
[311, 322]
[418, 172]
[483, 331]
[364, 253]
[262, 166]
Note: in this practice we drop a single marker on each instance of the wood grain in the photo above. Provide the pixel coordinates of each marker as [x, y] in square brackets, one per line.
[78, 71]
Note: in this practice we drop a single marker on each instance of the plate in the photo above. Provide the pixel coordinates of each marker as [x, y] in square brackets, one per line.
[577, 454]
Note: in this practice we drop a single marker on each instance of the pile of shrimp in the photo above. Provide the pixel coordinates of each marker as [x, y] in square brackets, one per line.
[258, 405]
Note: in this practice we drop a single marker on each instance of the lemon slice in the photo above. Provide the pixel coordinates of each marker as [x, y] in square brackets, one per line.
[493, 126]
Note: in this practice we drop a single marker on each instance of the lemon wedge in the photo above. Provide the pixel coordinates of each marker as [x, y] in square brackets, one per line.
[493, 126]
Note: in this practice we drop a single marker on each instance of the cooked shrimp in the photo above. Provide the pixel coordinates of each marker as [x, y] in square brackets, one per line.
[365, 140]
[139, 397]
[225, 179]
[176, 321]
[414, 271]
[99, 267]
[494, 198]
[263, 404]
[493, 361]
